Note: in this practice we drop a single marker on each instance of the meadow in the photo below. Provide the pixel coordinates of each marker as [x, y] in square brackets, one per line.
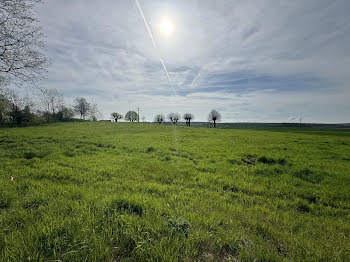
[145, 192]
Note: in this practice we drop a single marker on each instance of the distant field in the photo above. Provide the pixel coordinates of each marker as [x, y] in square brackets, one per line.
[142, 192]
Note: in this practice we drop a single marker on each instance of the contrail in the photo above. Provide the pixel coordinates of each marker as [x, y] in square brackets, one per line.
[146, 24]
[154, 44]
[167, 75]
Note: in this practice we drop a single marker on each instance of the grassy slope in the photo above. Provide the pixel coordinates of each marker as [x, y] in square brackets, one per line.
[136, 192]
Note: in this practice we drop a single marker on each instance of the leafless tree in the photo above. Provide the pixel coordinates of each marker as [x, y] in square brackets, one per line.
[143, 119]
[159, 118]
[21, 44]
[4, 108]
[131, 116]
[174, 117]
[188, 117]
[214, 116]
[5, 103]
[51, 101]
[116, 116]
[94, 112]
[81, 107]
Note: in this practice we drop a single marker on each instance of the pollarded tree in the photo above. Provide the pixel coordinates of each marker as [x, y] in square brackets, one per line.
[214, 116]
[131, 116]
[159, 118]
[116, 116]
[22, 58]
[81, 107]
[174, 117]
[188, 117]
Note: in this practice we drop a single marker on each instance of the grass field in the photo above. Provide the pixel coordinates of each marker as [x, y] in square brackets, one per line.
[142, 192]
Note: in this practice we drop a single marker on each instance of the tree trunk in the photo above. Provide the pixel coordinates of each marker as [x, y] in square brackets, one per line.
[214, 124]
[189, 122]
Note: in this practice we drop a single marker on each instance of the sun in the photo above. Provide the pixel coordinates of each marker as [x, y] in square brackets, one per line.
[166, 26]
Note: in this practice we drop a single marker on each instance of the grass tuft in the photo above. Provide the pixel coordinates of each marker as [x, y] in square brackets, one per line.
[127, 207]
[150, 150]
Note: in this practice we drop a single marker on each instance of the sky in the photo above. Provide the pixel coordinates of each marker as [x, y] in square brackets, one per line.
[253, 61]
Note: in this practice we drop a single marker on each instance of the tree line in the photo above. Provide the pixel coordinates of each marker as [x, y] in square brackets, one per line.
[49, 107]
[214, 116]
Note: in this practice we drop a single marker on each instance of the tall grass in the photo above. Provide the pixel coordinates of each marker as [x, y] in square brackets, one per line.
[126, 192]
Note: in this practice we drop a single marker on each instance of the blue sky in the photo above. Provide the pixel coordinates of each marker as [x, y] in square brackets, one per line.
[261, 61]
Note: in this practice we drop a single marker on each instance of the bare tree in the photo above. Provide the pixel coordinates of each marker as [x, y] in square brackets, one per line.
[174, 117]
[21, 45]
[51, 101]
[5, 107]
[214, 116]
[188, 117]
[81, 107]
[56, 100]
[143, 119]
[131, 116]
[116, 116]
[159, 118]
[94, 112]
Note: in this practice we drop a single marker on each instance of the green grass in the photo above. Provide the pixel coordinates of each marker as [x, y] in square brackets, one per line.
[141, 192]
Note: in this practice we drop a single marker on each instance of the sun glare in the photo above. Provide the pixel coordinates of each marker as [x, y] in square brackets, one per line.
[166, 26]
